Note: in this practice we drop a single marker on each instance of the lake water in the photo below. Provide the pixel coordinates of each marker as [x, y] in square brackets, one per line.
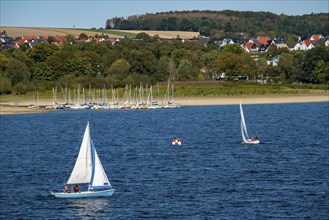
[210, 176]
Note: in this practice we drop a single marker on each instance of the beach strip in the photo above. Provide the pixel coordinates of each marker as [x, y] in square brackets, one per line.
[266, 99]
[22, 108]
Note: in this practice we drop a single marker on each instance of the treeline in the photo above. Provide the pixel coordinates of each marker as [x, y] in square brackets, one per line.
[133, 61]
[228, 23]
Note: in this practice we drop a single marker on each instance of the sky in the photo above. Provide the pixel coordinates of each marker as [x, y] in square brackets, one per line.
[93, 14]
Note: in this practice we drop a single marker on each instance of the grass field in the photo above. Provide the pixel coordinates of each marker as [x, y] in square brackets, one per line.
[40, 31]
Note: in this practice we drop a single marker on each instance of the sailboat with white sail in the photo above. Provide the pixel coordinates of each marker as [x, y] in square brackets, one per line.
[169, 97]
[244, 132]
[88, 169]
[35, 103]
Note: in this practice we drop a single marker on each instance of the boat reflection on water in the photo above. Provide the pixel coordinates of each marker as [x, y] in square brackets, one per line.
[88, 207]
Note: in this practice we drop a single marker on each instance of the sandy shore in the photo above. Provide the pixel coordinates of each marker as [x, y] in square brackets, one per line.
[13, 109]
[22, 108]
[268, 99]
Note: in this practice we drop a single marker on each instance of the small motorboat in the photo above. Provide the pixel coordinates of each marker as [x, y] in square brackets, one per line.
[176, 141]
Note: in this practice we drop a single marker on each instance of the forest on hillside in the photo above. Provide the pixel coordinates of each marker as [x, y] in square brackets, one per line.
[228, 23]
[134, 61]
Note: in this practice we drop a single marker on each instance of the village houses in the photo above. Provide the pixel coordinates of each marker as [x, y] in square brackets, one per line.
[250, 45]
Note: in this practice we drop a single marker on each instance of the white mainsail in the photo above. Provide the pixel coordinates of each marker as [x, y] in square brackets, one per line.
[244, 131]
[83, 166]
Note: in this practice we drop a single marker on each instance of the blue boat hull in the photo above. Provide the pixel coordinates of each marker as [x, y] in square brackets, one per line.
[86, 194]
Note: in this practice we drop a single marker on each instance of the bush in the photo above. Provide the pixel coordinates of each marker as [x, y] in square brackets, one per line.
[5, 85]
[22, 87]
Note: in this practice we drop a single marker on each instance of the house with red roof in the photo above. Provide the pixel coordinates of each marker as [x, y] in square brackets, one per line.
[316, 37]
[98, 39]
[20, 42]
[308, 44]
[250, 47]
[29, 37]
[58, 40]
[82, 40]
[264, 40]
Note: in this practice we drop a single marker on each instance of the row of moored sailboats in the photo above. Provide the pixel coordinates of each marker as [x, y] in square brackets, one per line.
[137, 98]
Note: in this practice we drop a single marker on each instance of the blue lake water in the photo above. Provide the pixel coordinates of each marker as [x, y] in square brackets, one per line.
[210, 176]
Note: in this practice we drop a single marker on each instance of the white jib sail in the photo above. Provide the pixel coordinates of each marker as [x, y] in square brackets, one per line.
[99, 179]
[82, 170]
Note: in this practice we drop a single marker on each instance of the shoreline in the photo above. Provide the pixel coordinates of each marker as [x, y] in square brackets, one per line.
[249, 99]
[22, 107]
[7, 109]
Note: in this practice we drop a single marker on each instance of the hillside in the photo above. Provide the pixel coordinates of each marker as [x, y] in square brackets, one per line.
[29, 31]
[208, 22]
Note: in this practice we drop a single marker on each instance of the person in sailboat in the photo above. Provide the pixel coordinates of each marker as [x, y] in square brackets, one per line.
[254, 138]
[76, 188]
[65, 188]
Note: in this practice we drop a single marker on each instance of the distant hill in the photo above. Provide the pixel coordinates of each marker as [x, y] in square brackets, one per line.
[208, 22]
[38, 31]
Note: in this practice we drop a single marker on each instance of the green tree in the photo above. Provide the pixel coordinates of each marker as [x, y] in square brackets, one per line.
[217, 34]
[22, 87]
[110, 57]
[17, 71]
[186, 25]
[272, 34]
[118, 72]
[166, 49]
[186, 71]
[208, 58]
[261, 34]
[102, 48]
[69, 38]
[94, 60]
[162, 70]
[291, 39]
[172, 23]
[228, 27]
[42, 71]
[56, 65]
[233, 48]
[3, 62]
[142, 62]
[286, 65]
[51, 39]
[229, 63]
[41, 51]
[261, 67]
[83, 36]
[22, 56]
[77, 65]
[200, 76]
[144, 36]
[5, 85]
[298, 73]
[312, 58]
[319, 73]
